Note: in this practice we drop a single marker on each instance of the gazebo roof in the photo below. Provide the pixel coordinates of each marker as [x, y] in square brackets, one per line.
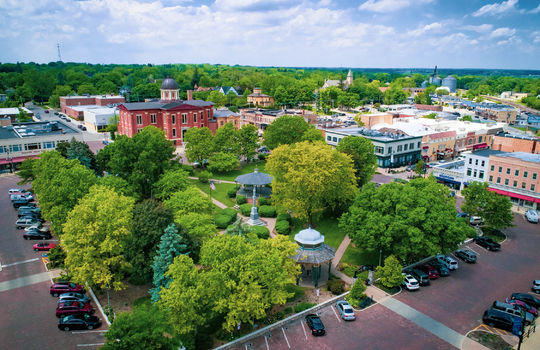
[314, 256]
[309, 236]
[254, 178]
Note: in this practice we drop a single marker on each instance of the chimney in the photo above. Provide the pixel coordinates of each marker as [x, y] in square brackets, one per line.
[189, 95]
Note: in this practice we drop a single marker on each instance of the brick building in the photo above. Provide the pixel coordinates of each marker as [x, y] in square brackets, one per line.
[169, 113]
[257, 98]
[68, 103]
[516, 143]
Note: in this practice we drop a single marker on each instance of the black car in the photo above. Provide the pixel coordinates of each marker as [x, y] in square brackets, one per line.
[487, 243]
[421, 276]
[315, 324]
[441, 269]
[527, 298]
[83, 321]
[37, 235]
[466, 255]
[495, 318]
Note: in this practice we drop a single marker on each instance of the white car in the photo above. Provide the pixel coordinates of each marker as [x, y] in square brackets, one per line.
[345, 310]
[410, 282]
[532, 216]
[450, 263]
[476, 220]
[16, 191]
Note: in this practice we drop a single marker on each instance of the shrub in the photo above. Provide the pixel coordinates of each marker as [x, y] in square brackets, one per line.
[267, 211]
[262, 156]
[287, 310]
[222, 221]
[296, 291]
[357, 293]
[240, 199]
[204, 176]
[231, 193]
[245, 209]
[230, 212]
[222, 162]
[186, 167]
[284, 216]
[283, 227]
[335, 285]
[261, 231]
[263, 201]
[303, 306]
[56, 257]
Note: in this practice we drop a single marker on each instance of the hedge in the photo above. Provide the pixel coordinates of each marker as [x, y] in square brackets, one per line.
[231, 193]
[267, 211]
[282, 227]
[261, 231]
[229, 212]
[240, 200]
[187, 168]
[264, 201]
[303, 306]
[284, 216]
[222, 221]
[245, 209]
[204, 176]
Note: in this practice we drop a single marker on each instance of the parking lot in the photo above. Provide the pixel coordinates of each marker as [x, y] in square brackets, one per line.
[27, 320]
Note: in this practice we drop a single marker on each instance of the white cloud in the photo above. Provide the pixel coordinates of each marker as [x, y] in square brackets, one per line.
[389, 5]
[496, 8]
[503, 32]
[535, 10]
[433, 27]
[535, 36]
[482, 28]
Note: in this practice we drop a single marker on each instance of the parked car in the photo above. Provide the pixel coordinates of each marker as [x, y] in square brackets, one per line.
[29, 205]
[450, 263]
[43, 246]
[72, 296]
[83, 321]
[410, 283]
[21, 196]
[55, 113]
[65, 287]
[476, 220]
[487, 243]
[498, 319]
[466, 255]
[421, 276]
[462, 215]
[25, 211]
[345, 310]
[532, 216]
[315, 325]
[513, 310]
[432, 272]
[37, 235]
[535, 286]
[39, 227]
[73, 307]
[46, 111]
[440, 267]
[527, 298]
[26, 222]
[17, 191]
[21, 202]
[36, 217]
[524, 306]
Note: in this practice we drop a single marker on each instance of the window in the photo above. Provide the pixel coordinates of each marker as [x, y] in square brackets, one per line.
[534, 176]
[483, 163]
[532, 187]
[406, 147]
[498, 180]
[173, 132]
[523, 185]
[418, 145]
[139, 119]
[479, 139]
[48, 144]
[500, 169]
[516, 173]
[470, 141]
[3, 149]
[476, 162]
[493, 168]
[506, 182]
[474, 173]
[153, 118]
[389, 149]
[184, 118]
[470, 160]
[508, 171]
[400, 148]
[481, 175]
[333, 138]
[328, 138]
[515, 183]
[32, 146]
[490, 178]
[195, 117]
[411, 146]
[525, 174]
[379, 149]
[173, 119]
[468, 171]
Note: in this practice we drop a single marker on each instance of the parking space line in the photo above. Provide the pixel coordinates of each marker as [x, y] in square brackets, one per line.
[473, 250]
[84, 332]
[266, 340]
[302, 323]
[332, 307]
[20, 262]
[287, 340]
[95, 344]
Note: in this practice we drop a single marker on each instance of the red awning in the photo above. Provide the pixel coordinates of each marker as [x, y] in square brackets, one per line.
[515, 195]
[16, 159]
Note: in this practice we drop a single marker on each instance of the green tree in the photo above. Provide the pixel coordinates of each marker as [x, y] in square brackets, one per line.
[120, 185]
[285, 130]
[86, 89]
[218, 98]
[225, 139]
[313, 135]
[357, 293]
[493, 207]
[197, 228]
[310, 177]
[419, 168]
[394, 95]
[131, 331]
[199, 144]
[390, 274]
[411, 220]
[361, 150]
[78, 150]
[222, 162]
[171, 245]
[247, 140]
[95, 236]
[191, 200]
[466, 118]
[150, 218]
[173, 180]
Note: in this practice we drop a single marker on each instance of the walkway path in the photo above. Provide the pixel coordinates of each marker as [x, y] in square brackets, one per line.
[214, 180]
[340, 251]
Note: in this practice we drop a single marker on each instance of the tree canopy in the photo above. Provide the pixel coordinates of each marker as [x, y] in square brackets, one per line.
[362, 153]
[495, 209]
[285, 130]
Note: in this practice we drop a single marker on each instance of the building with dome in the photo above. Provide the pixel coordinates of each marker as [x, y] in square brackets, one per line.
[169, 113]
[313, 256]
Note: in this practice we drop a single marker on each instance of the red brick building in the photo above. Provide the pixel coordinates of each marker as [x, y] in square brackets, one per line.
[67, 103]
[170, 114]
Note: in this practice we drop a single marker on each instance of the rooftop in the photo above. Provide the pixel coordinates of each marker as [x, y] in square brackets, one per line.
[524, 156]
[372, 134]
[224, 112]
[26, 130]
[92, 96]
[485, 153]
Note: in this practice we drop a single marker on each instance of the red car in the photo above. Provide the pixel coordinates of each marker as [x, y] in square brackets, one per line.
[432, 272]
[44, 246]
[73, 308]
[65, 287]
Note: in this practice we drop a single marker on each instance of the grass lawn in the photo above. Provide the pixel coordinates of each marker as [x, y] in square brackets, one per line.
[328, 227]
[245, 169]
[358, 256]
[220, 193]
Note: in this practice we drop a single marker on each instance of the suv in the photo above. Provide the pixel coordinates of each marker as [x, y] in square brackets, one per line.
[83, 321]
[495, 318]
[487, 243]
[466, 255]
[451, 264]
[26, 222]
[420, 276]
[432, 272]
[410, 283]
[527, 298]
[476, 220]
[65, 287]
[25, 211]
[440, 267]
[513, 310]
[21, 196]
[73, 307]
[20, 202]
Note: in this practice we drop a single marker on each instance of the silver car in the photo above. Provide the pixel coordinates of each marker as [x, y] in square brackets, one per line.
[532, 216]
[345, 310]
[26, 222]
[72, 296]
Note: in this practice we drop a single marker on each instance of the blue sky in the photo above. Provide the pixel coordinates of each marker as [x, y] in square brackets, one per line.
[329, 33]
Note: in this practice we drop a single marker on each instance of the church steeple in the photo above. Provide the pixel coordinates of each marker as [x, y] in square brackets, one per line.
[349, 80]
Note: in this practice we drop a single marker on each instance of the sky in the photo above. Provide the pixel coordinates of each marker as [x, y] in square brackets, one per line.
[293, 33]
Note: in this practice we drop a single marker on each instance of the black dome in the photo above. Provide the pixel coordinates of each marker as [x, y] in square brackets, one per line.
[169, 84]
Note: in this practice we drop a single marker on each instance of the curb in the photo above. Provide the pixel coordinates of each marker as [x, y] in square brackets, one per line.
[98, 304]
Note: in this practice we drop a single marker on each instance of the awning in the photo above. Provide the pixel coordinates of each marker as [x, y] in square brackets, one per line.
[515, 195]
[448, 180]
[16, 159]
